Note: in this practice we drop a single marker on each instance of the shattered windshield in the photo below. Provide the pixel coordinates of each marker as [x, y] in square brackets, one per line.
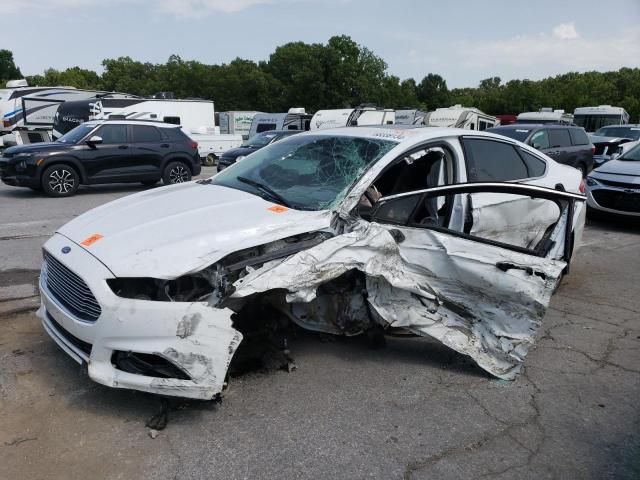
[307, 172]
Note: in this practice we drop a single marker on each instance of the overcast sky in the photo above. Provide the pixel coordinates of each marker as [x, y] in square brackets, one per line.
[462, 40]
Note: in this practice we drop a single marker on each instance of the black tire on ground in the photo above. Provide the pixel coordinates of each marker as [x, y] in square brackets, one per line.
[176, 172]
[60, 181]
[209, 160]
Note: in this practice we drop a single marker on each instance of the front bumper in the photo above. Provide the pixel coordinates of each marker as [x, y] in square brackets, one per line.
[617, 201]
[195, 337]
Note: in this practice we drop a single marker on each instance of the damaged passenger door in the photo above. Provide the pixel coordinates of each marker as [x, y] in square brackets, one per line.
[481, 261]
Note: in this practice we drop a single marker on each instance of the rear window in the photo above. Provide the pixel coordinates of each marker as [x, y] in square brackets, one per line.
[519, 134]
[559, 137]
[146, 134]
[489, 160]
[579, 136]
[174, 133]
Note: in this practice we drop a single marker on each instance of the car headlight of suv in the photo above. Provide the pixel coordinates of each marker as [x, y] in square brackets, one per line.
[591, 181]
[215, 282]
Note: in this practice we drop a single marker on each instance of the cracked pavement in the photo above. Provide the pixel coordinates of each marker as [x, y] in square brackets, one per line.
[413, 410]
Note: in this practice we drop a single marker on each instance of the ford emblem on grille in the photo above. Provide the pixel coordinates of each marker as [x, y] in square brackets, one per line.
[66, 249]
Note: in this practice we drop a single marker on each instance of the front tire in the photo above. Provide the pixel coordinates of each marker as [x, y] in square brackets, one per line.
[60, 181]
[176, 172]
[210, 160]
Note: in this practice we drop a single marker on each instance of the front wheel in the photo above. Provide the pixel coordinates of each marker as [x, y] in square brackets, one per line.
[210, 160]
[176, 172]
[60, 181]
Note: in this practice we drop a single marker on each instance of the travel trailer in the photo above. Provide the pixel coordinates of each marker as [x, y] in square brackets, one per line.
[409, 117]
[593, 118]
[196, 117]
[25, 108]
[545, 116]
[236, 123]
[469, 118]
[343, 117]
[294, 119]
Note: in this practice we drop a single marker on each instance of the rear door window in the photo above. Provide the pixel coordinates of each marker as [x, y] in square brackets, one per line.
[489, 161]
[579, 136]
[559, 137]
[146, 134]
[535, 165]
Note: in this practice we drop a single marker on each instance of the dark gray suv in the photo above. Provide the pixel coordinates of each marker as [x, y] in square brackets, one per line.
[566, 144]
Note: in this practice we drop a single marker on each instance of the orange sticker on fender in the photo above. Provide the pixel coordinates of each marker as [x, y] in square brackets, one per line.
[87, 242]
[277, 209]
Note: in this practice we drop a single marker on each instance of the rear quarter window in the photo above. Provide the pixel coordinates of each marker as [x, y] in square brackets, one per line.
[579, 136]
[535, 165]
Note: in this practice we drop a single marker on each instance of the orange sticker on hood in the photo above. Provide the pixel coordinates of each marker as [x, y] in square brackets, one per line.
[87, 242]
[277, 209]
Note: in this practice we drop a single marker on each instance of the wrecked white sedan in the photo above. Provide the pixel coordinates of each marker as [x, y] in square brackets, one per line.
[453, 234]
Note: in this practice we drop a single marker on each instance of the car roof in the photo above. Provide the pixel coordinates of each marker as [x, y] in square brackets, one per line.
[532, 126]
[153, 123]
[405, 134]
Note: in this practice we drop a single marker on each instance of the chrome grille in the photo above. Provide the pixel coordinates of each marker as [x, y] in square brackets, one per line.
[69, 290]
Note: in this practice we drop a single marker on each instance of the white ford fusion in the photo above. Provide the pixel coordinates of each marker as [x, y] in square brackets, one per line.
[457, 235]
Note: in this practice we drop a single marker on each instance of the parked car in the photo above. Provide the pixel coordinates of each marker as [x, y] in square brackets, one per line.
[612, 141]
[457, 235]
[103, 151]
[566, 144]
[255, 143]
[614, 188]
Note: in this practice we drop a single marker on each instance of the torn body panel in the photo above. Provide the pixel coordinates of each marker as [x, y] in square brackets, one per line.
[430, 284]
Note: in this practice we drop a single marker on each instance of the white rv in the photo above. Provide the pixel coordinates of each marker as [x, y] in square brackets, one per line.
[544, 116]
[409, 117]
[344, 117]
[593, 118]
[24, 108]
[458, 116]
[294, 119]
[236, 123]
[196, 117]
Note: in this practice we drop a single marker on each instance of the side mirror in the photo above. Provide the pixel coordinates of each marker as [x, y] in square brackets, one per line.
[94, 140]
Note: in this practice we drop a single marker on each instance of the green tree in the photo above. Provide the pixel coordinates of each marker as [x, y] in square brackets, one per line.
[8, 68]
[433, 92]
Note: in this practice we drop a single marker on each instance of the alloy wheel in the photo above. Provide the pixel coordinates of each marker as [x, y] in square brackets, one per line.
[178, 174]
[61, 181]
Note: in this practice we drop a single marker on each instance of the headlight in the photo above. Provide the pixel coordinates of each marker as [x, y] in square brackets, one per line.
[591, 181]
[21, 165]
[240, 157]
[215, 281]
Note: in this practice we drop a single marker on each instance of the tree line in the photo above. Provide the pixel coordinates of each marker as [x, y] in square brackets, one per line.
[338, 74]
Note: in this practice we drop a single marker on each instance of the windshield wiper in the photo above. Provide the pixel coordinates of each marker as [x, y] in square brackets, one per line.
[265, 188]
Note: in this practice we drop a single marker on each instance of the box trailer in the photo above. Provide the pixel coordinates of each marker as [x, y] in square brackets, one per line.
[236, 122]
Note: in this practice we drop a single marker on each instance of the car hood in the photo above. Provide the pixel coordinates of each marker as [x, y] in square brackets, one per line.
[169, 231]
[620, 167]
[35, 148]
[596, 139]
[236, 152]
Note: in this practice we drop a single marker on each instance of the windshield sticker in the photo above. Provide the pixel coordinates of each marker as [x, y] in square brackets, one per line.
[277, 209]
[87, 242]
